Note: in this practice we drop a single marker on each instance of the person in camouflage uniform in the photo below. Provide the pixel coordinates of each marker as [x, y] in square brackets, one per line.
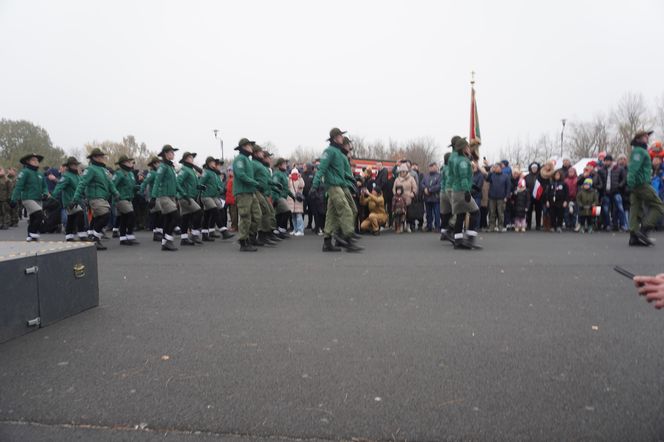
[5, 196]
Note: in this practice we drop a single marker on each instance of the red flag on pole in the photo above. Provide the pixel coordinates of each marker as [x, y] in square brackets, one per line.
[474, 119]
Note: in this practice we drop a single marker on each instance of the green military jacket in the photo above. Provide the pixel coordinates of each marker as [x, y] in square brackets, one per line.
[95, 183]
[586, 199]
[165, 181]
[148, 181]
[262, 176]
[333, 169]
[188, 181]
[463, 174]
[280, 180]
[66, 187]
[243, 171]
[125, 182]
[639, 168]
[444, 181]
[211, 180]
[30, 185]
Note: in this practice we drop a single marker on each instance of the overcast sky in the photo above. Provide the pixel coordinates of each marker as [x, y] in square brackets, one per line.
[287, 71]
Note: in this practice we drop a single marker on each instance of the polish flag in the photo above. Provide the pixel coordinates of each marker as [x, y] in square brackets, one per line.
[538, 190]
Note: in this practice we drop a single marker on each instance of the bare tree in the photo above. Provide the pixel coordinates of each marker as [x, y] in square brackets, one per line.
[128, 147]
[516, 153]
[630, 115]
[303, 154]
[422, 151]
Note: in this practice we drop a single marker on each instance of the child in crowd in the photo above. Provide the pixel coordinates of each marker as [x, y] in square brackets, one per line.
[586, 199]
[398, 209]
[521, 203]
[556, 201]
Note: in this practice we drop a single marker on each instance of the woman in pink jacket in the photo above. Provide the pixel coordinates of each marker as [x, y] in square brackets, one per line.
[296, 205]
[409, 185]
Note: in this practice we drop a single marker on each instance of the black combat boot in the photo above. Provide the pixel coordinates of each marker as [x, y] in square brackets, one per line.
[157, 236]
[99, 245]
[264, 236]
[254, 240]
[186, 242]
[214, 234]
[168, 246]
[207, 237]
[245, 246]
[196, 239]
[328, 247]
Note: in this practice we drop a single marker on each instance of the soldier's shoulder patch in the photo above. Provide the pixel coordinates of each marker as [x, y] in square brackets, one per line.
[62, 180]
[85, 172]
[636, 156]
[20, 174]
[324, 156]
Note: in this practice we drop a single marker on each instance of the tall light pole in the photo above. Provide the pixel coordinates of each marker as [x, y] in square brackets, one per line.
[217, 136]
[562, 138]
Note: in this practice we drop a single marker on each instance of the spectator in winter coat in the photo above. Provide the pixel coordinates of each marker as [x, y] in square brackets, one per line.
[377, 217]
[509, 206]
[556, 200]
[499, 191]
[586, 199]
[521, 203]
[308, 176]
[571, 214]
[476, 192]
[230, 200]
[535, 202]
[431, 193]
[296, 201]
[613, 178]
[658, 177]
[505, 165]
[656, 150]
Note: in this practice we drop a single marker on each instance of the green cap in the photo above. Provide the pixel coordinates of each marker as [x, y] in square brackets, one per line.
[153, 159]
[96, 152]
[24, 159]
[244, 142]
[123, 158]
[187, 154]
[71, 161]
[335, 132]
[167, 148]
[454, 140]
[280, 161]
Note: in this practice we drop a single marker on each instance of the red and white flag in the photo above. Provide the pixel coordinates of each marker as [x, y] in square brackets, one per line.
[538, 190]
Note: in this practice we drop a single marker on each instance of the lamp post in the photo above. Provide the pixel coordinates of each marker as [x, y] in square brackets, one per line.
[562, 138]
[217, 136]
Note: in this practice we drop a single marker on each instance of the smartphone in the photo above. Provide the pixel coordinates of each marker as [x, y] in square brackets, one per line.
[625, 273]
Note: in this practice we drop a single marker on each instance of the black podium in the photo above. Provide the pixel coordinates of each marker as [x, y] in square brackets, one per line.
[44, 282]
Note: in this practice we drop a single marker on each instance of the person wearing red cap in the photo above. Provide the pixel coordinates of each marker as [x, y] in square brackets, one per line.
[656, 150]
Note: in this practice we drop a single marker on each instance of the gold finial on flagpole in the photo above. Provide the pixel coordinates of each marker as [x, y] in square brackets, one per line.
[472, 78]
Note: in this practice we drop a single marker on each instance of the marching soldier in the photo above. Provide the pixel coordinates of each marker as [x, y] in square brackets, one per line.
[155, 212]
[31, 190]
[332, 173]
[210, 180]
[262, 175]
[97, 185]
[125, 182]
[244, 190]
[639, 171]
[5, 196]
[66, 188]
[190, 211]
[461, 175]
[445, 193]
[165, 189]
[221, 221]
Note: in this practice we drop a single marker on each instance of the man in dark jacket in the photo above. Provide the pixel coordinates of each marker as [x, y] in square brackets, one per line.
[614, 178]
[499, 191]
[308, 177]
[532, 181]
[431, 193]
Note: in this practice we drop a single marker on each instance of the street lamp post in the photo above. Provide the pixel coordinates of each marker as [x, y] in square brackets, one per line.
[562, 138]
[217, 136]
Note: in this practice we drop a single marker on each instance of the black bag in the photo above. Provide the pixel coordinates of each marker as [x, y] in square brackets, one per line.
[415, 210]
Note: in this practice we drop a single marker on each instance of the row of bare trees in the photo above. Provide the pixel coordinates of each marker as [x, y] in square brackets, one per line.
[610, 132]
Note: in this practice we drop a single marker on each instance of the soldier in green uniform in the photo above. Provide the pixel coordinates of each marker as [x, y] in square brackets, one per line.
[165, 189]
[5, 196]
[96, 184]
[190, 212]
[445, 194]
[332, 173]
[221, 220]
[212, 183]
[639, 172]
[125, 181]
[31, 190]
[65, 189]
[268, 222]
[153, 207]
[244, 190]
[280, 194]
[461, 176]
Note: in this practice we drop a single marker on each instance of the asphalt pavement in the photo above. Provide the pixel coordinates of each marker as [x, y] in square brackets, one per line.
[533, 338]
